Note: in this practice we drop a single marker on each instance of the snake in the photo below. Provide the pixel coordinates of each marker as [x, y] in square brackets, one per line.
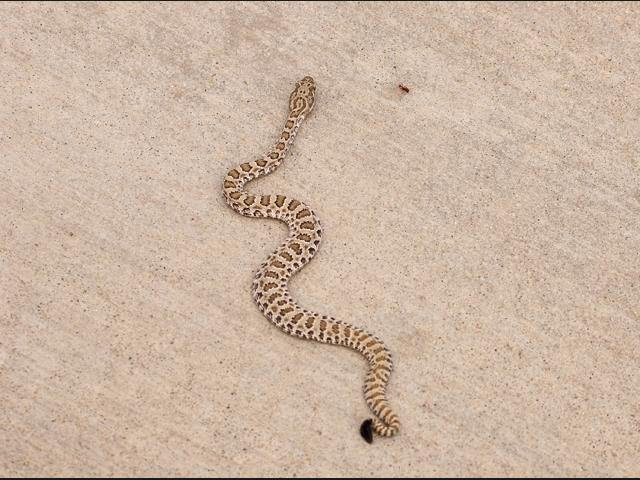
[270, 284]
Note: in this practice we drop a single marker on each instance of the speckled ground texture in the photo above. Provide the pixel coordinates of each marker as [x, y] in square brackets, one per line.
[485, 225]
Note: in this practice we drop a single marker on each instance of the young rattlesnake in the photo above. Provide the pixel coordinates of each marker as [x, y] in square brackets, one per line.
[269, 287]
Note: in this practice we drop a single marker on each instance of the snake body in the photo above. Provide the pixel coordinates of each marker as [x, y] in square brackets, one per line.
[269, 287]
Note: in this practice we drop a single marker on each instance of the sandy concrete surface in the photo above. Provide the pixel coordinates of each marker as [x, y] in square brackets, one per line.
[485, 225]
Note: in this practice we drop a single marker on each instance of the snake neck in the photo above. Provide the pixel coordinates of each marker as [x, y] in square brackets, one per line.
[239, 176]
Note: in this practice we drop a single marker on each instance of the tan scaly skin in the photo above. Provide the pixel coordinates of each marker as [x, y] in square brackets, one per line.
[269, 287]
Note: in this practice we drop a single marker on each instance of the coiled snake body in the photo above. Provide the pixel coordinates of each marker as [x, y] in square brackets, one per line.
[269, 287]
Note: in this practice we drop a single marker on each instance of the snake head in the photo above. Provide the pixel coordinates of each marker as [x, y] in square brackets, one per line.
[303, 97]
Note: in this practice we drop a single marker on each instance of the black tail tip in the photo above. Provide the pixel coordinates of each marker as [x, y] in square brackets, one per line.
[366, 430]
